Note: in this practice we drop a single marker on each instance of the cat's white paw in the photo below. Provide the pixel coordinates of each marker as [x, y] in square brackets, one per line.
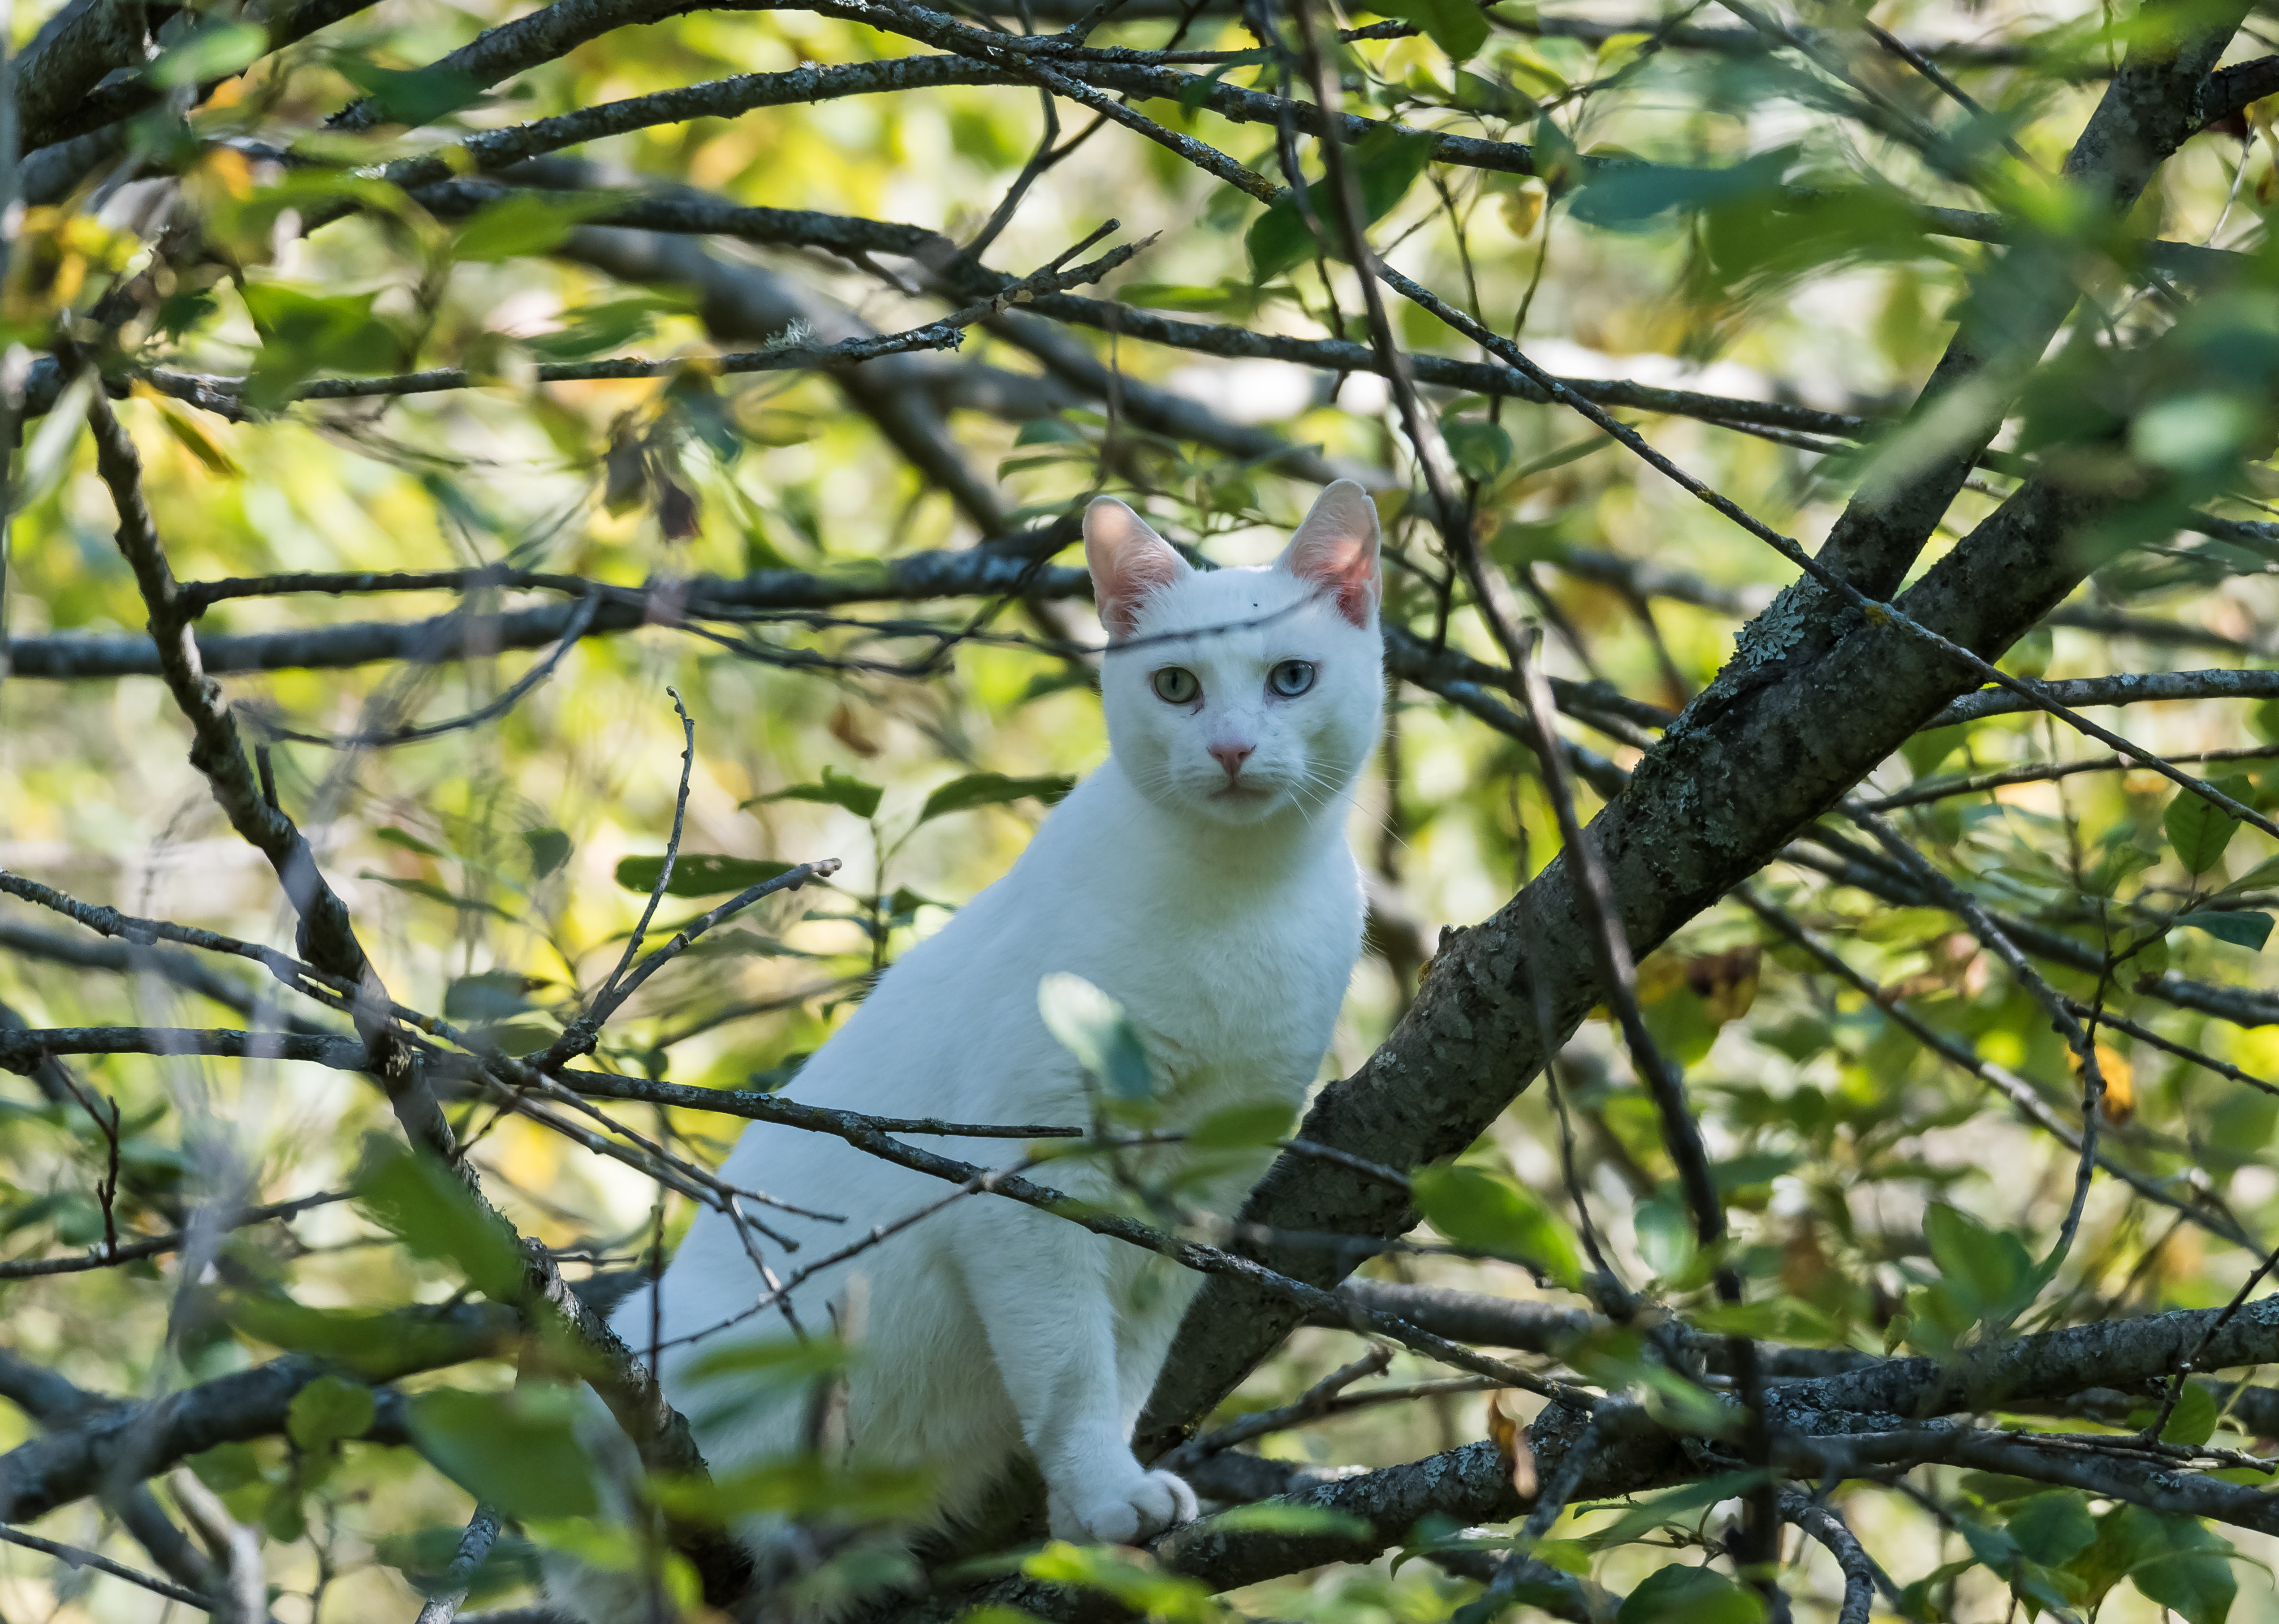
[1132, 1507]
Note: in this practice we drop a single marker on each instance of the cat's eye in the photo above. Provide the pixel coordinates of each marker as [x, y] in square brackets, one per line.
[1176, 686]
[1290, 678]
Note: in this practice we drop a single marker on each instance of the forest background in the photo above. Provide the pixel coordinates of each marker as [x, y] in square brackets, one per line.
[501, 502]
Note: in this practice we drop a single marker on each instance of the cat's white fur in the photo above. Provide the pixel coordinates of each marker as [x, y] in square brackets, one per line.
[1220, 904]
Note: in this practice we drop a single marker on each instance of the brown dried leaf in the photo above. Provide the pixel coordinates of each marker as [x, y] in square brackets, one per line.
[676, 509]
[1509, 1433]
[847, 728]
[1726, 983]
[2119, 1101]
[624, 468]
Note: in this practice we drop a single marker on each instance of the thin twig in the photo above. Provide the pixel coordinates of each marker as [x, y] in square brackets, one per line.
[77, 1557]
[1878, 611]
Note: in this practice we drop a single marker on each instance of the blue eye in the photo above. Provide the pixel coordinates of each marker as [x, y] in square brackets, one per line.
[1176, 685]
[1290, 678]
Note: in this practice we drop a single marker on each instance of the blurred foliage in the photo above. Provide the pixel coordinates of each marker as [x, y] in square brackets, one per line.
[1881, 1199]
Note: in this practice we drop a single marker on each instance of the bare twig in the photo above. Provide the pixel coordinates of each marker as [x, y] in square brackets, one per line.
[76, 1557]
[475, 1549]
[159, 1245]
[1878, 611]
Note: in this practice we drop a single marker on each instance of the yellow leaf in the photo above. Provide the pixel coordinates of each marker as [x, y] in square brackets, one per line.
[2119, 1101]
[1522, 208]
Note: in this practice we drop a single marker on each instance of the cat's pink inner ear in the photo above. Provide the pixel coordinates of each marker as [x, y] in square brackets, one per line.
[1128, 562]
[1336, 548]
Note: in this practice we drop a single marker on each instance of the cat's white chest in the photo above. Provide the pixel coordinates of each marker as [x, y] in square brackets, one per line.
[1239, 996]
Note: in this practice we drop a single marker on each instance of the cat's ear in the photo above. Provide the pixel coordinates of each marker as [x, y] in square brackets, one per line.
[1336, 550]
[1128, 562]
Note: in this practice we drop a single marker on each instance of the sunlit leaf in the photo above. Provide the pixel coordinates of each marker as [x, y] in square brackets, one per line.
[835, 789]
[328, 1410]
[413, 96]
[1093, 1026]
[408, 841]
[2052, 1528]
[2199, 829]
[1679, 1594]
[1481, 450]
[517, 1450]
[214, 52]
[1243, 1126]
[426, 1206]
[525, 223]
[698, 874]
[1280, 1517]
[990, 789]
[549, 849]
[1457, 27]
[1492, 1213]
[2241, 927]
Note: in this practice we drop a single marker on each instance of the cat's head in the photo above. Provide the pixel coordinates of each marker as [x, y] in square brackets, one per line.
[1239, 695]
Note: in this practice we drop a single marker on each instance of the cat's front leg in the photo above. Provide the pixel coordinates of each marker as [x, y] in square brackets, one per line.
[1047, 1301]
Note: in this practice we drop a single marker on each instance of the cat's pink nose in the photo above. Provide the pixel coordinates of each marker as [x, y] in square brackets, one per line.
[1231, 757]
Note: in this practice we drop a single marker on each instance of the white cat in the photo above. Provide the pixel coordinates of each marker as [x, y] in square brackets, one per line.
[1201, 876]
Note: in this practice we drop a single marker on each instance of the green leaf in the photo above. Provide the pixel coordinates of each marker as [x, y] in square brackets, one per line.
[803, 1486]
[408, 841]
[494, 995]
[517, 1450]
[2199, 829]
[1093, 1026]
[1683, 1405]
[2263, 875]
[327, 1411]
[377, 1346]
[1629, 196]
[433, 893]
[990, 789]
[2241, 927]
[593, 329]
[1457, 27]
[413, 96]
[1666, 1237]
[1280, 1517]
[1991, 1267]
[549, 849]
[698, 874]
[421, 1202]
[215, 51]
[1482, 450]
[1681, 1595]
[1278, 239]
[1490, 1212]
[2193, 1421]
[2196, 1585]
[1128, 1577]
[303, 333]
[425, 1557]
[1242, 1127]
[1231, 296]
[226, 1468]
[1388, 162]
[837, 789]
[1678, 1505]
[526, 223]
[2053, 1528]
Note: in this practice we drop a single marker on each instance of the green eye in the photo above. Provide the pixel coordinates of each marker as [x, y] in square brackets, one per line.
[1290, 678]
[1176, 685]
